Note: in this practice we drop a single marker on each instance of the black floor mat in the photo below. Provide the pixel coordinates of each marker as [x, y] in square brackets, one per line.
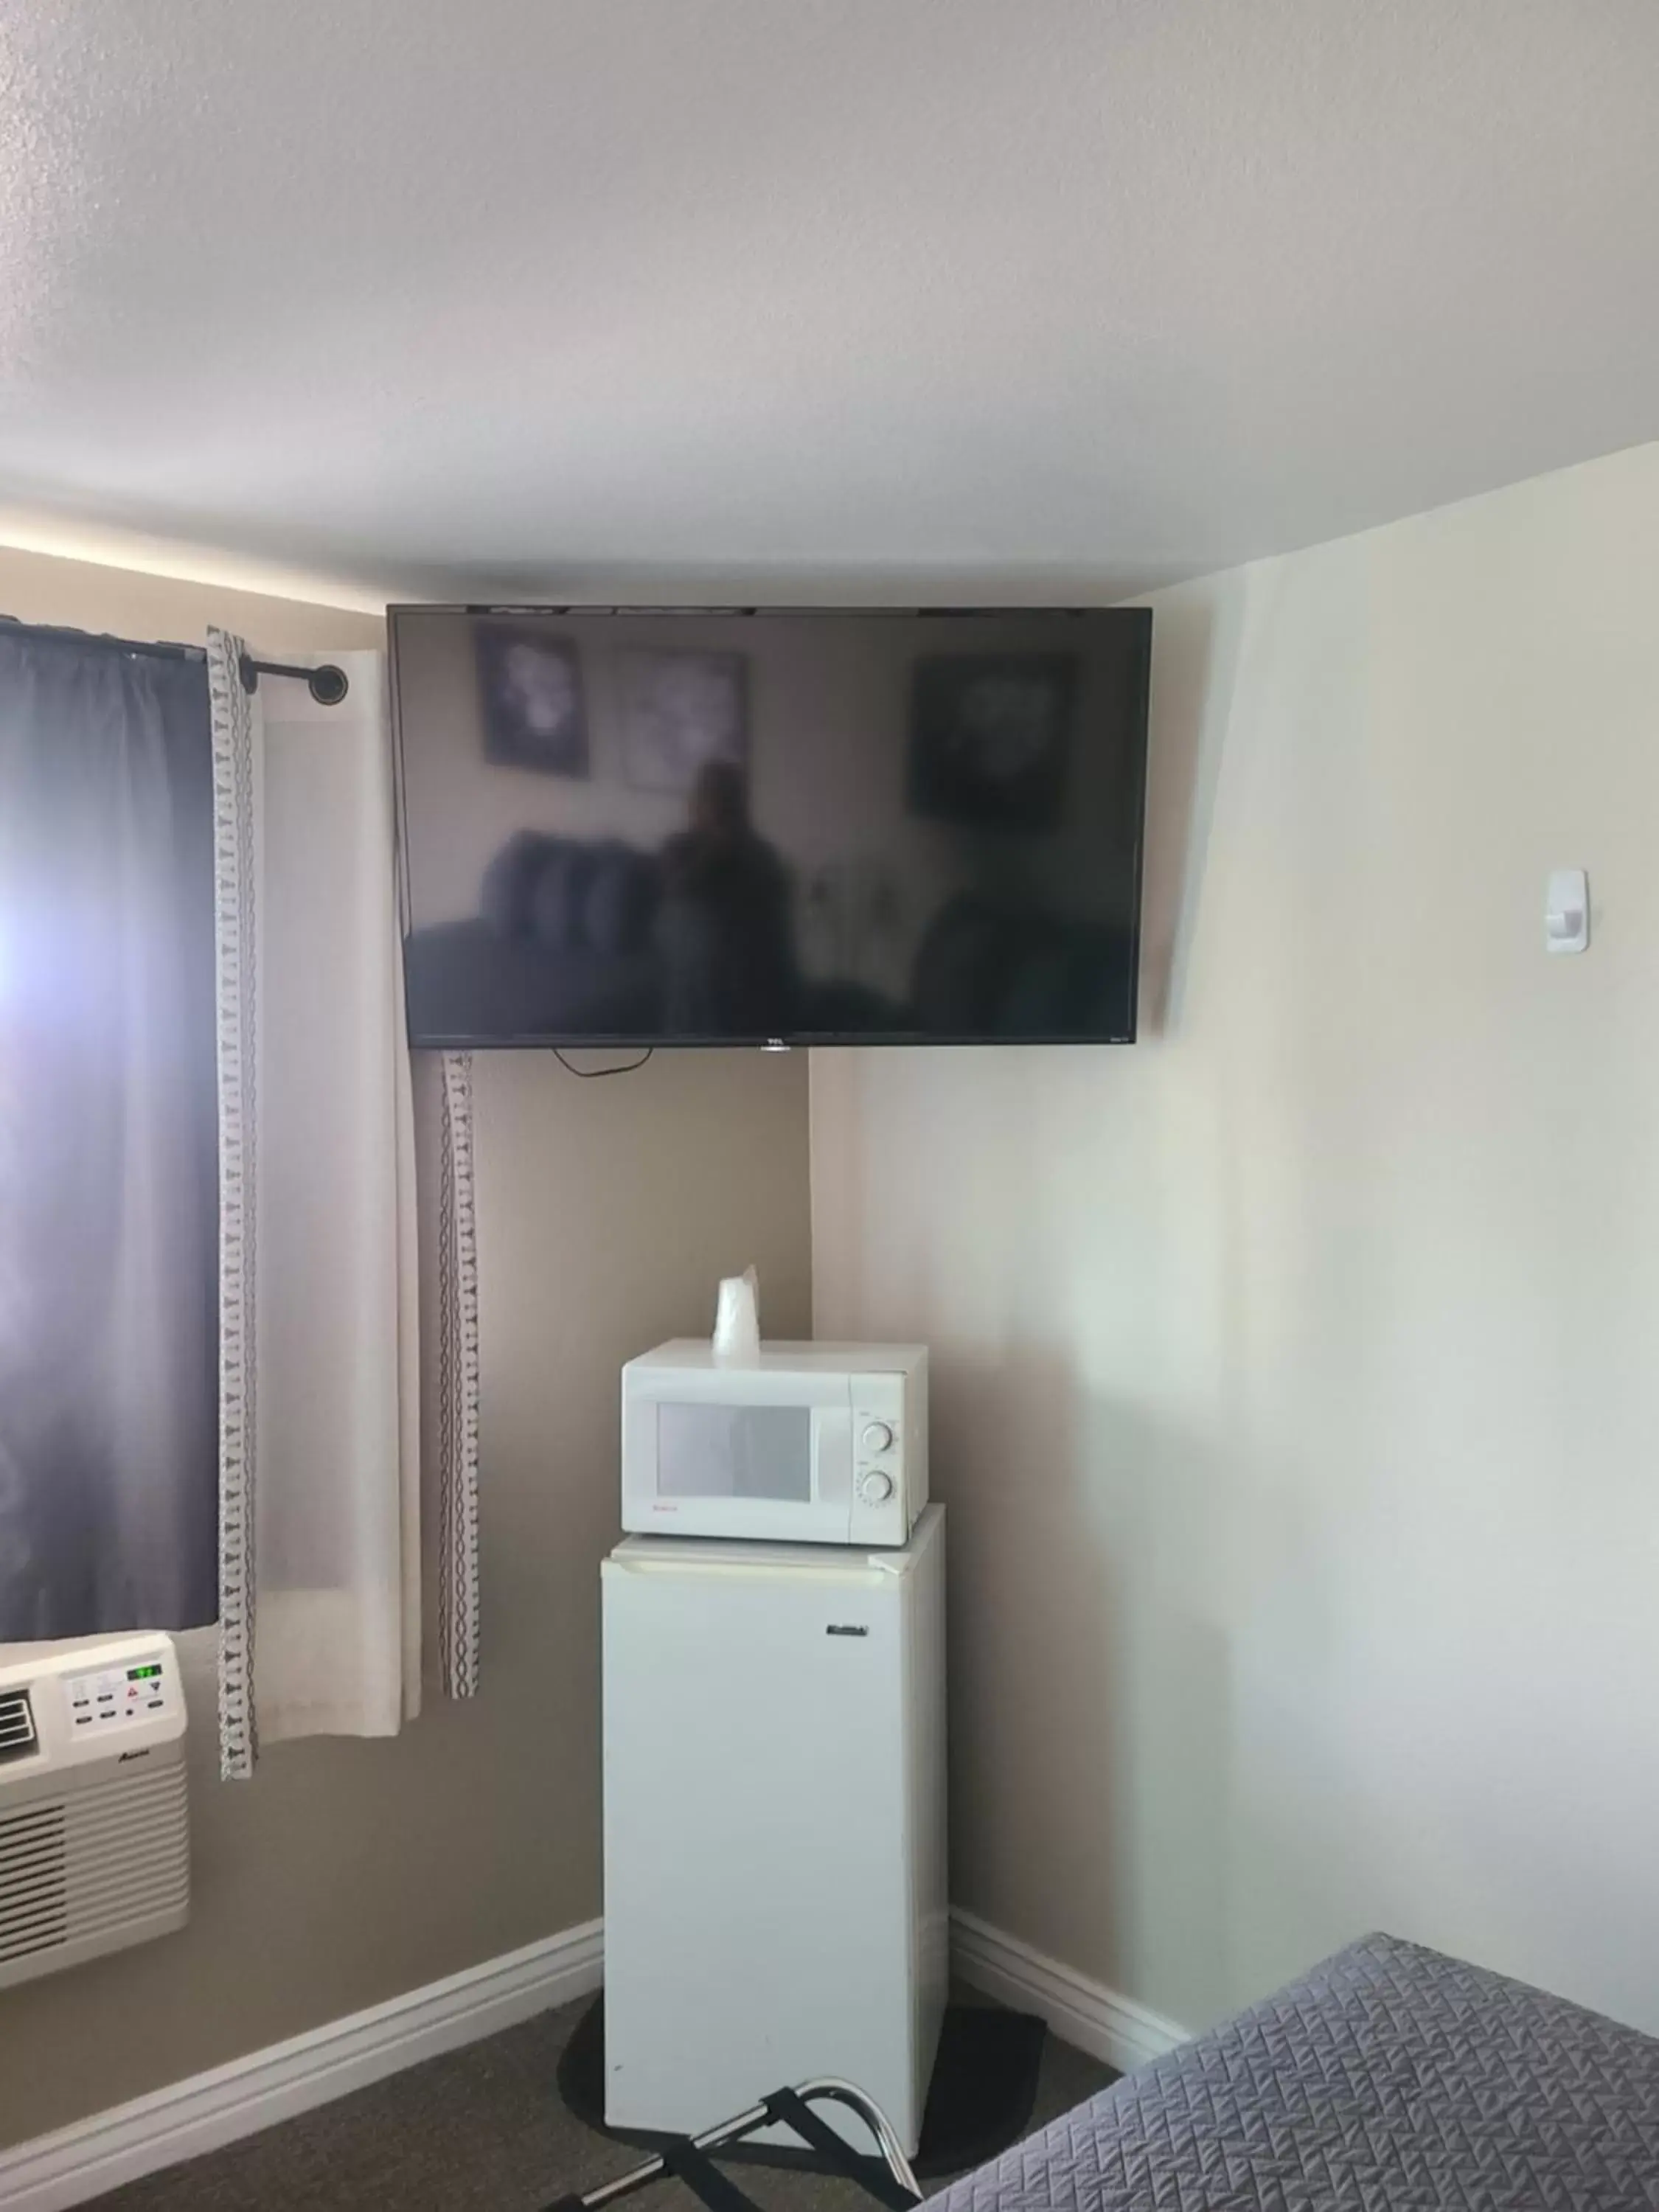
[979, 2100]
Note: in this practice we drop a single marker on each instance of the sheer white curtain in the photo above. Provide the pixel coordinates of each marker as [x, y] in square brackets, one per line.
[319, 1580]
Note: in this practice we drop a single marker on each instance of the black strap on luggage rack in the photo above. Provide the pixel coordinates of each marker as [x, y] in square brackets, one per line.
[889, 2179]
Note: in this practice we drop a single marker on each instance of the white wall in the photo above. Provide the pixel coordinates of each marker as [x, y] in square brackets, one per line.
[1297, 1398]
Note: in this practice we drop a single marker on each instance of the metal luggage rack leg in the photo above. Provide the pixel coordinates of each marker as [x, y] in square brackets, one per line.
[688, 2156]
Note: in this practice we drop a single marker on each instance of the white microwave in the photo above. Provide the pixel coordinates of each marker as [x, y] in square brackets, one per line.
[814, 1443]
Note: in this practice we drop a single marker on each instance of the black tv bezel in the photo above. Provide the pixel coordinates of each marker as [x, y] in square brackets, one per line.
[1137, 618]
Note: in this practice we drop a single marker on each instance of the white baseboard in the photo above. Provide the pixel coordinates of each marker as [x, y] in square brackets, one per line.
[57, 2171]
[1112, 2028]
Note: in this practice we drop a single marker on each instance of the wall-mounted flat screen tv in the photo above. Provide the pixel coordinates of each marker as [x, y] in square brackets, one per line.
[748, 825]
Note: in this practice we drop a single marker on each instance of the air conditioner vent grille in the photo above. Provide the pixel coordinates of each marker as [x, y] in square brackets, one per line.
[17, 1737]
[33, 1879]
[103, 1863]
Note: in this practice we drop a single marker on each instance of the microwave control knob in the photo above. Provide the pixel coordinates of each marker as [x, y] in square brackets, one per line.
[879, 1437]
[875, 1485]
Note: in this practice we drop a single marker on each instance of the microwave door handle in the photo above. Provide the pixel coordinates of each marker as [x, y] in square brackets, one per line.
[832, 1456]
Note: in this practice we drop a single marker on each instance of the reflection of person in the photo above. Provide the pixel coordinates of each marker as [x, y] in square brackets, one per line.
[723, 927]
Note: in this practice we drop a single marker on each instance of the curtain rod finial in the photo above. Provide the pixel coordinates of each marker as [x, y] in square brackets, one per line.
[327, 685]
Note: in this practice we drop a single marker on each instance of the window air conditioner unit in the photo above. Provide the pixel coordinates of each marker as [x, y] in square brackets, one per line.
[94, 1818]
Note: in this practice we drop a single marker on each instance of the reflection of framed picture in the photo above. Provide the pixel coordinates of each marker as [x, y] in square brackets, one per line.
[530, 689]
[989, 734]
[682, 711]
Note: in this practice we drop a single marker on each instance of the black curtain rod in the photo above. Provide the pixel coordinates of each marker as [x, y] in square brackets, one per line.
[328, 684]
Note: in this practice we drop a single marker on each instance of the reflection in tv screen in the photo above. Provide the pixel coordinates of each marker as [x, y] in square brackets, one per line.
[732, 827]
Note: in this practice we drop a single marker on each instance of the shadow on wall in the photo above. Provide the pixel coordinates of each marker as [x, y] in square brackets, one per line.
[1089, 1672]
[1194, 667]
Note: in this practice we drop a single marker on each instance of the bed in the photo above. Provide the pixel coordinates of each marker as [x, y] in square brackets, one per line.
[1390, 2079]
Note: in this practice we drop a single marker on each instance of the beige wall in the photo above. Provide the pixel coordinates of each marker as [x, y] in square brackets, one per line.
[1296, 1399]
[36, 587]
[346, 1873]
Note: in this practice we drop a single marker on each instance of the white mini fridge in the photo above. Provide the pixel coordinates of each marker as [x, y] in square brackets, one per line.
[775, 1858]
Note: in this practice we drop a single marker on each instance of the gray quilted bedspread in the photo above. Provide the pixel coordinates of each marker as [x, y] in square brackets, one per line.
[1390, 2079]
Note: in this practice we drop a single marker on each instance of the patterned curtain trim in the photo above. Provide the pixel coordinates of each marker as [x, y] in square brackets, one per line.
[458, 1393]
[235, 865]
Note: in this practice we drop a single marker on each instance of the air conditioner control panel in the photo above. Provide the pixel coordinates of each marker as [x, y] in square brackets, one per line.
[117, 1699]
[115, 1696]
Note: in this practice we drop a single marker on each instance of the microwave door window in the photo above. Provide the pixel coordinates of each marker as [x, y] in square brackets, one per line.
[735, 1451]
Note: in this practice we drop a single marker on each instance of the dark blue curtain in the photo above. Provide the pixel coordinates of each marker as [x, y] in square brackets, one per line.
[108, 1154]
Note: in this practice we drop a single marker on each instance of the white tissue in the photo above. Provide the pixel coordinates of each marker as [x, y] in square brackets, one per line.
[737, 1320]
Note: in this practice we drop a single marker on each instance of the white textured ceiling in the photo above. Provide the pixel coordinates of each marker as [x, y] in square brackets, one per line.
[489, 297]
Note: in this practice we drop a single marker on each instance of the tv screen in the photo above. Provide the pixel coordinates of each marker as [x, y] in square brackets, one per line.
[747, 826]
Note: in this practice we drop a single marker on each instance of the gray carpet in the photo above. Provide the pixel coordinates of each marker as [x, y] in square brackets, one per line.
[483, 2131]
